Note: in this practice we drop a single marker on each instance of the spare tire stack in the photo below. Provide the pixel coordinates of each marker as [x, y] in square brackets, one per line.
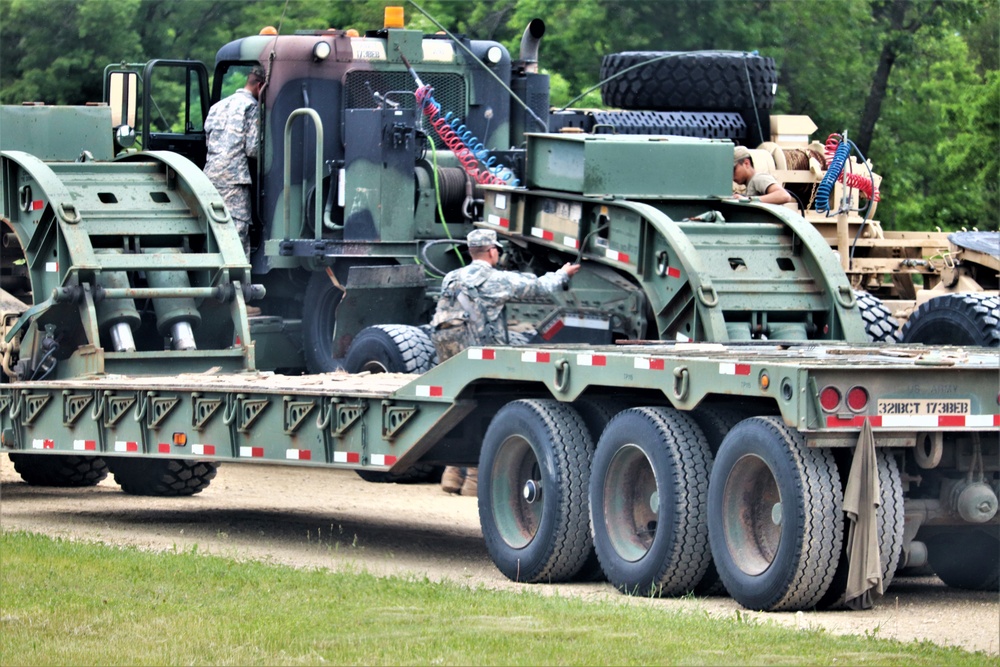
[709, 82]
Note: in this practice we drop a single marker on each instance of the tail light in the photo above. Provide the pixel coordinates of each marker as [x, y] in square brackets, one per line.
[857, 398]
[829, 398]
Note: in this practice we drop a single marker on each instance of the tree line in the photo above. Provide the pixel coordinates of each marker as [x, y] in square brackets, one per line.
[914, 83]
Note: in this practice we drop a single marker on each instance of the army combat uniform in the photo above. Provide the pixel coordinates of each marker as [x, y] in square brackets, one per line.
[231, 134]
[471, 308]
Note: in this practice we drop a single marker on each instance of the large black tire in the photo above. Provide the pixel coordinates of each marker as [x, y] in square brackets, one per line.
[880, 325]
[648, 491]
[162, 477]
[715, 422]
[390, 348]
[955, 319]
[60, 469]
[319, 314]
[596, 413]
[889, 516]
[534, 469]
[689, 81]
[968, 559]
[421, 473]
[774, 516]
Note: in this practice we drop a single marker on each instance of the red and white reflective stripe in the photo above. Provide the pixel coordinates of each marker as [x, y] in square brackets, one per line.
[494, 219]
[43, 444]
[571, 242]
[534, 357]
[428, 390]
[909, 422]
[346, 457]
[52, 267]
[734, 369]
[36, 205]
[543, 234]
[126, 446]
[591, 360]
[616, 256]
[299, 454]
[552, 329]
[482, 354]
[252, 452]
[673, 273]
[163, 448]
[203, 450]
[85, 445]
[383, 460]
[649, 364]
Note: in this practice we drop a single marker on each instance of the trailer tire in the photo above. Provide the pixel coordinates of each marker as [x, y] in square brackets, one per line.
[889, 516]
[421, 473]
[689, 81]
[880, 325]
[955, 319]
[162, 477]
[596, 414]
[648, 491]
[390, 348]
[967, 559]
[715, 422]
[60, 469]
[534, 470]
[774, 516]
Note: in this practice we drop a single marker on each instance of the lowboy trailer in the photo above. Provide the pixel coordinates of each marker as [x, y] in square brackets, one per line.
[794, 476]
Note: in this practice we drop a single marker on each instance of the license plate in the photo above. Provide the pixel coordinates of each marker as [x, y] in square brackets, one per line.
[923, 406]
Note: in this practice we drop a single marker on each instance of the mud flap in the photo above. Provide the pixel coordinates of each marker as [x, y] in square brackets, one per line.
[367, 301]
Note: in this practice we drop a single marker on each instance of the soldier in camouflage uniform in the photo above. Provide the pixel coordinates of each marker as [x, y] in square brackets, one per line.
[231, 135]
[471, 312]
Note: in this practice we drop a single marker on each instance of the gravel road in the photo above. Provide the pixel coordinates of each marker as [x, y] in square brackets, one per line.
[325, 518]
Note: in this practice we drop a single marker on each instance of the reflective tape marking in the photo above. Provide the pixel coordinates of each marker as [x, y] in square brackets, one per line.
[734, 369]
[85, 445]
[482, 354]
[252, 452]
[429, 391]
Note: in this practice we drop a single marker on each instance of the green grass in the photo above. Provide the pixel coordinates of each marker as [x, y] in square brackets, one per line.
[72, 603]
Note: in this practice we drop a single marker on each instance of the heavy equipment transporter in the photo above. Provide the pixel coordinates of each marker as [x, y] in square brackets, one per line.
[126, 344]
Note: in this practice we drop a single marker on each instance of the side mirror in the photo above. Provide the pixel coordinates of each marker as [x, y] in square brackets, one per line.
[123, 90]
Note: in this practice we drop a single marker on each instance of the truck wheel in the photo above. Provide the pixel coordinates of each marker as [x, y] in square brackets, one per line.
[889, 516]
[319, 313]
[533, 475]
[419, 474]
[162, 477]
[689, 81]
[774, 516]
[648, 490]
[596, 413]
[390, 348]
[880, 325]
[968, 559]
[60, 469]
[955, 319]
[715, 422]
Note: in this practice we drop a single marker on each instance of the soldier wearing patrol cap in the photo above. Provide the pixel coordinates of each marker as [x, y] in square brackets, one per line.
[471, 312]
[760, 187]
[231, 136]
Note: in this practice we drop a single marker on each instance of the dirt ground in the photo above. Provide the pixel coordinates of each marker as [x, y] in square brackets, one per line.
[326, 518]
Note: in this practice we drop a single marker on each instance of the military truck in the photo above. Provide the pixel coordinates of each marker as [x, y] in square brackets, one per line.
[376, 153]
[127, 346]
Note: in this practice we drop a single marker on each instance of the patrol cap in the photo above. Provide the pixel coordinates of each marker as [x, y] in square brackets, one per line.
[741, 153]
[482, 238]
[257, 71]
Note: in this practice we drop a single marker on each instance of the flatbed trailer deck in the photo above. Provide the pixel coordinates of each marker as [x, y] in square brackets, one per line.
[676, 464]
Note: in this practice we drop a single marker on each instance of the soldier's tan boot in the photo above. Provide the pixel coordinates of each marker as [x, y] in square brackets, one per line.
[471, 485]
[451, 480]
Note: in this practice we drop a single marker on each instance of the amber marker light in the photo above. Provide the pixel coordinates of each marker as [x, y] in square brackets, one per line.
[765, 381]
[393, 17]
[269, 30]
[180, 439]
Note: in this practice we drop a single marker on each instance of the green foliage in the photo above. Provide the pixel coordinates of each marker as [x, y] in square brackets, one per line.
[911, 81]
[74, 603]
